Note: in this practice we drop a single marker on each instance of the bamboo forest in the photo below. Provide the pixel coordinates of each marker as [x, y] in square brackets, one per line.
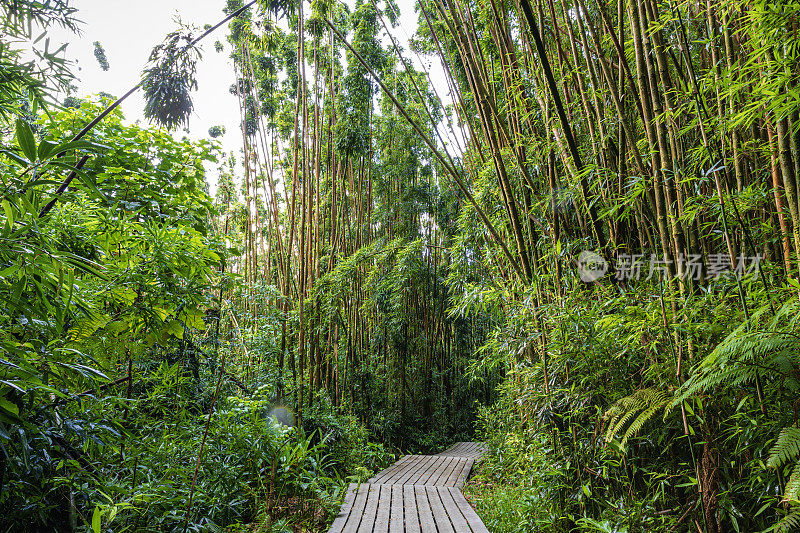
[446, 266]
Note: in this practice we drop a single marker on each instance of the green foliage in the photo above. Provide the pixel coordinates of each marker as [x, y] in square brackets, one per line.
[71, 101]
[113, 269]
[250, 463]
[787, 448]
[764, 347]
[150, 337]
[100, 56]
[549, 467]
[169, 79]
[632, 412]
[790, 522]
[352, 130]
[140, 377]
[345, 439]
[24, 80]
[410, 414]
[765, 342]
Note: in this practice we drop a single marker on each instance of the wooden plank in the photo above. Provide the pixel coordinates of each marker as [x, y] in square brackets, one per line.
[417, 494]
[396, 521]
[460, 523]
[452, 481]
[434, 473]
[462, 477]
[344, 511]
[410, 510]
[413, 477]
[447, 451]
[424, 508]
[357, 511]
[455, 462]
[445, 473]
[440, 516]
[383, 476]
[425, 474]
[384, 505]
[464, 449]
[431, 468]
[408, 472]
[411, 467]
[469, 513]
[403, 463]
[452, 475]
[402, 475]
[393, 470]
[398, 465]
[370, 510]
[458, 467]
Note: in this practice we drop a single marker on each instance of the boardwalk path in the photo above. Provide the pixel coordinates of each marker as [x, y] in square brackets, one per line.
[417, 494]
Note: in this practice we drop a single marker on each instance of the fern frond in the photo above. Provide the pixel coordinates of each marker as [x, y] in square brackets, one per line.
[641, 420]
[87, 326]
[792, 491]
[786, 448]
[741, 356]
[626, 411]
[634, 411]
[789, 523]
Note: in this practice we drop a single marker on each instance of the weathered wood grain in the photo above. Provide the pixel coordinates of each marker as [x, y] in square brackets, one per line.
[417, 494]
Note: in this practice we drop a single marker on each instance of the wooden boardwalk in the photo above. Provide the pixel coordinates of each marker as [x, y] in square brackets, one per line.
[471, 450]
[417, 494]
[430, 470]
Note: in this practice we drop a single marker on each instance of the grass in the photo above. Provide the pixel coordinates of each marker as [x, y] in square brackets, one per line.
[501, 506]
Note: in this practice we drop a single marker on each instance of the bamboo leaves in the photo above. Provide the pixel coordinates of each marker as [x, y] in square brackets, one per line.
[169, 79]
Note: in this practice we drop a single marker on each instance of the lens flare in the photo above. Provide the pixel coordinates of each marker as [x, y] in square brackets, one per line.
[282, 415]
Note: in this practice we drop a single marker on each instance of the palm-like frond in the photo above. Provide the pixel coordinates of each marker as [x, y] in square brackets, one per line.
[758, 346]
[632, 413]
[788, 523]
[792, 492]
[763, 345]
[787, 448]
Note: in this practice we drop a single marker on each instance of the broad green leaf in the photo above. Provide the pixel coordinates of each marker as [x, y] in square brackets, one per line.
[45, 149]
[97, 516]
[80, 145]
[9, 406]
[21, 161]
[83, 177]
[26, 140]
[9, 210]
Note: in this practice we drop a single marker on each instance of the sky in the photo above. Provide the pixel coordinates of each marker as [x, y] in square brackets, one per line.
[128, 30]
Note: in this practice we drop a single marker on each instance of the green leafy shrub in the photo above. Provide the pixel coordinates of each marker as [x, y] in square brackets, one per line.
[345, 439]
